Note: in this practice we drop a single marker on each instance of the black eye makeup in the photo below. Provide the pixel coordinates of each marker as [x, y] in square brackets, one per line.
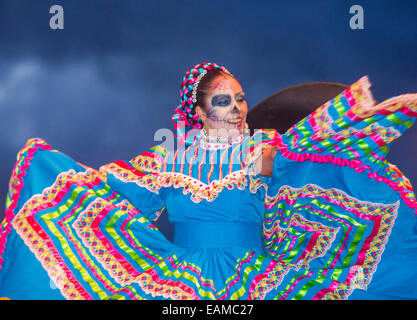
[225, 100]
[221, 100]
[240, 98]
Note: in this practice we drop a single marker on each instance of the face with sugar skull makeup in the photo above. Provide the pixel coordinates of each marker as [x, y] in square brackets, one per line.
[225, 108]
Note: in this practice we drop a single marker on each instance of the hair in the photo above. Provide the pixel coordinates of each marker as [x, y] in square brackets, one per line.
[187, 105]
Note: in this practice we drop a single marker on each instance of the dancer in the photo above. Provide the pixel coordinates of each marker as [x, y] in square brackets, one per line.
[315, 213]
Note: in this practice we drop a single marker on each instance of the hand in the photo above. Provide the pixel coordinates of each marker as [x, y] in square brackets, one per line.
[265, 163]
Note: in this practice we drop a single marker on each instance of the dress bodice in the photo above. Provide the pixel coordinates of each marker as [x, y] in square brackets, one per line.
[208, 181]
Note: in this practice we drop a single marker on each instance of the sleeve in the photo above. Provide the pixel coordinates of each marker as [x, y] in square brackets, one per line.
[351, 126]
[77, 233]
[137, 180]
[333, 198]
[350, 130]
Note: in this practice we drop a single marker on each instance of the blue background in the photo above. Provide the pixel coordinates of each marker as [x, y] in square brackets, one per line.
[99, 89]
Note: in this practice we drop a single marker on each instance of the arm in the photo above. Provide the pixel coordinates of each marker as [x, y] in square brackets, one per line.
[137, 181]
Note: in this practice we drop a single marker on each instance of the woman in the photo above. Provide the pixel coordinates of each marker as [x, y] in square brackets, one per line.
[305, 215]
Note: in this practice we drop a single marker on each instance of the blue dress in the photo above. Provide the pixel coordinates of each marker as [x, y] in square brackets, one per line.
[335, 220]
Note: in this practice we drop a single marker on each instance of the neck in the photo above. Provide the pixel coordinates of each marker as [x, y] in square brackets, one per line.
[216, 142]
[226, 134]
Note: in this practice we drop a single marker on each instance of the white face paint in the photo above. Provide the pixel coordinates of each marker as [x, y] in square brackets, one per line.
[226, 108]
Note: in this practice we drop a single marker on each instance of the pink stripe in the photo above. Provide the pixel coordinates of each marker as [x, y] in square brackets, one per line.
[129, 293]
[155, 277]
[224, 296]
[190, 167]
[109, 246]
[65, 228]
[292, 244]
[294, 284]
[9, 214]
[355, 164]
[260, 277]
[48, 242]
[192, 269]
[309, 247]
[112, 196]
[133, 244]
[323, 292]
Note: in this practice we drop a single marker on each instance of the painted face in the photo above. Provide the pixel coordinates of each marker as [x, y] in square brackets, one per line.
[226, 105]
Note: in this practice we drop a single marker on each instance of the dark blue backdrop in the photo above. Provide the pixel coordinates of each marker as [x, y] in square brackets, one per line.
[100, 88]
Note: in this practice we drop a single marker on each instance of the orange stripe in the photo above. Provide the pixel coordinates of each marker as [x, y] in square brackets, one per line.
[174, 160]
[240, 157]
[239, 146]
[190, 170]
[221, 162]
[201, 163]
[211, 165]
[165, 162]
[182, 161]
[183, 158]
